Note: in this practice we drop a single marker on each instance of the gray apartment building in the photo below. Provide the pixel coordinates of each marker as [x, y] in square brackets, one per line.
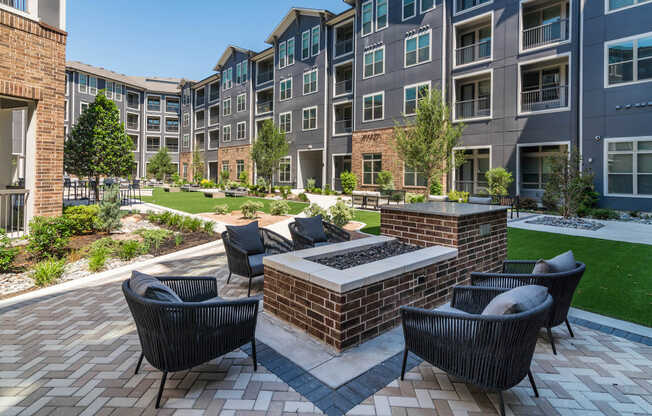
[528, 78]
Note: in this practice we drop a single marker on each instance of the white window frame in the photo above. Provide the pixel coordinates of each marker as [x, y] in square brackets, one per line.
[283, 159]
[434, 6]
[347, 22]
[92, 90]
[416, 10]
[312, 32]
[303, 89]
[80, 85]
[383, 110]
[81, 107]
[68, 74]
[417, 36]
[519, 91]
[304, 57]
[137, 149]
[244, 102]
[121, 87]
[238, 73]
[282, 47]
[607, 10]
[197, 147]
[373, 51]
[186, 141]
[337, 104]
[228, 79]
[294, 52]
[147, 144]
[212, 85]
[204, 100]
[634, 153]
[197, 126]
[457, 30]
[168, 98]
[417, 86]
[362, 17]
[303, 118]
[160, 104]
[186, 119]
[566, 143]
[375, 21]
[237, 131]
[127, 120]
[224, 107]
[209, 114]
[65, 111]
[287, 113]
[635, 40]
[178, 124]
[547, 45]
[279, 89]
[160, 130]
[174, 138]
[224, 130]
[219, 134]
[491, 95]
[459, 12]
[462, 148]
[109, 92]
[127, 100]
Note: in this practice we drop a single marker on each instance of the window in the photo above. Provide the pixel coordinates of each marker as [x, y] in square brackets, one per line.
[238, 74]
[134, 138]
[199, 142]
[199, 97]
[109, 89]
[629, 166]
[462, 5]
[371, 165]
[314, 40]
[214, 91]
[153, 103]
[186, 120]
[544, 88]
[186, 96]
[374, 62]
[285, 122]
[630, 61]
[310, 82]
[305, 45]
[239, 168]
[83, 83]
[381, 14]
[171, 105]
[186, 141]
[133, 100]
[227, 80]
[119, 92]
[241, 131]
[133, 121]
[226, 105]
[172, 124]
[245, 69]
[282, 55]
[83, 106]
[409, 8]
[470, 176]
[284, 169]
[535, 165]
[413, 178]
[153, 144]
[65, 110]
[172, 144]
[92, 85]
[214, 115]
[153, 123]
[291, 50]
[413, 94]
[417, 49]
[214, 139]
[185, 170]
[472, 99]
[622, 4]
[225, 166]
[286, 89]
[200, 119]
[241, 101]
[226, 134]
[367, 17]
[473, 45]
[427, 5]
[373, 107]
[310, 118]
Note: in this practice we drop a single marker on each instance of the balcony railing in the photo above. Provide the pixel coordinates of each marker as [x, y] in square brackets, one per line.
[13, 216]
[344, 46]
[214, 119]
[172, 128]
[153, 127]
[172, 109]
[545, 34]
[344, 87]
[544, 99]
[343, 126]
[16, 4]
[264, 107]
[265, 76]
[132, 125]
[173, 147]
[472, 53]
[154, 107]
[199, 123]
[479, 107]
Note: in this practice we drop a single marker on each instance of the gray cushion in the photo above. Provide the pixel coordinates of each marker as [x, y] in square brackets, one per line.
[256, 264]
[247, 237]
[562, 263]
[312, 227]
[448, 308]
[150, 287]
[541, 267]
[322, 243]
[479, 200]
[516, 300]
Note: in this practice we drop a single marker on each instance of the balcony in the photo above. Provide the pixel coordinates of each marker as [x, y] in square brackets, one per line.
[544, 85]
[475, 108]
[344, 87]
[542, 99]
[172, 127]
[545, 34]
[264, 107]
[472, 53]
[344, 118]
[265, 101]
[214, 115]
[265, 76]
[132, 124]
[344, 39]
[344, 126]
[265, 71]
[344, 79]
[342, 47]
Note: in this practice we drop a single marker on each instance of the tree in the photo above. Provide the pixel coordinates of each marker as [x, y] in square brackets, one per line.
[98, 145]
[108, 216]
[426, 141]
[268, 150]
[568, 184]
[160, 165]
[197, 167]
[499, 180]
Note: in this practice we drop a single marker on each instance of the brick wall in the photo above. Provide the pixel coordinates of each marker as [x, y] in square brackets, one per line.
[33, 67]
[232, 154]
[185, 157]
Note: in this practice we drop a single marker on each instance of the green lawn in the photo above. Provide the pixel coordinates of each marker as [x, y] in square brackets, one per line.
[370, 218]
[618, 277]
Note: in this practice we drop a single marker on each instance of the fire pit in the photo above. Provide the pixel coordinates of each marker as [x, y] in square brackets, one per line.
[363, 256]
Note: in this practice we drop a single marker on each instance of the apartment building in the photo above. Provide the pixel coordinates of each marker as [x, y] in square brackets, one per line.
[150, 108]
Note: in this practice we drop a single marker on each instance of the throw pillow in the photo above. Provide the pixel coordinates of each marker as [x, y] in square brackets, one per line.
[150, 287]
[541, 267]
[479, 200]
[247, 237]
[313, 227]
[516, 300]
[562, 263]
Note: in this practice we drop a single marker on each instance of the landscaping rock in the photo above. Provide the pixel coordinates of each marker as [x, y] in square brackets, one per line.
[576, 223]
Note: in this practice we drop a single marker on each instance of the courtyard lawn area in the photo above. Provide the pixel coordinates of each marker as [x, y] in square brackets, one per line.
[370, 218]
[618, 277]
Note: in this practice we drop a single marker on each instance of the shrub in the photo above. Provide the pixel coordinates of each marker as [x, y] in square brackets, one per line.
[208, 227]
[589, 197]
[285, 191]
[82, 219]
[528, 204]
[314, 210]
[250, 208]
[244, 177]
[178, 239]
[279, 208]
[48, 237]
[570, 185]
[174, 221]
[340, 213]
[153, 239]
[435, 186]
[499, 181]
[604, 214]
[458, 196]
[349, 182]
[191, 224]
[414, 198]
[7, 252]
[310, 184]
[222, 209]
[207, 184]
[303, 197]
[327, 190]
[224, 176]
[234, 185]
[109, 213]
[106, 243]
[316, 191]
[48, 271]
[262, 184]
[130, 249]
[385, 180]
[97, 258]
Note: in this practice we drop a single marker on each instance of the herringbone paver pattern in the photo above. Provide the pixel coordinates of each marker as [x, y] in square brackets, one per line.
[74, 354]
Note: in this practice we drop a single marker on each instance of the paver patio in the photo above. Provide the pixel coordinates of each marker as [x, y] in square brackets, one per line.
[75, 353]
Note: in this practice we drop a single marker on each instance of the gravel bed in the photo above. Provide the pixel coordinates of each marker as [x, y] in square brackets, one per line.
[641, 219]
[576, 223]
[364, 256]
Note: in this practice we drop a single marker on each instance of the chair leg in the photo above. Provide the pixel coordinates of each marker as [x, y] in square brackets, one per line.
[552, 341]
[140, 361]
[502, 403]
[405, 355]
[570, 331]
[229, 279]
[249, 291]
[253, 353]
[534, 386]
[160, 389]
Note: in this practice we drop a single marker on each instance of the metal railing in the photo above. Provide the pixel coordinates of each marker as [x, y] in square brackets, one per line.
[265, 76]
[472, 53]
[132, 125]
[344, 46]
[544, 99]
[479, 107]
[344, 87]
[153, 107]
[545, 34]
[172, 127]
[343, 126]
[172, 109]
[264, 107]
[199, 123]
[174, 148]
[16, 4]
[153, 127]
[13, 214]
[214, 119]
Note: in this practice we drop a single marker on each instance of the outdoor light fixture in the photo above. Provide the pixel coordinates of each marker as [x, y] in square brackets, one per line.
[598, 138]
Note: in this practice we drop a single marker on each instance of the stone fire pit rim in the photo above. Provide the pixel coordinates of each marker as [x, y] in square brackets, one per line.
[445, 209]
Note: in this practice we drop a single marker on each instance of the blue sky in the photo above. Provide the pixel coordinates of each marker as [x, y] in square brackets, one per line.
[172, 38]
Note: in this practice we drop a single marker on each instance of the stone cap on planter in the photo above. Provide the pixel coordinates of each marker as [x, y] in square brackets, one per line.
[445, 209]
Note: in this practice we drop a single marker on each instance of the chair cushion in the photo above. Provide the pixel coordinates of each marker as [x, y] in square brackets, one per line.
[150, 287]
[541, 267]
[322, 243]
[247, 237]
[256, 264]
[562, 263]
[448, 308]
[479, 200]
[516, 300]
[312, 227]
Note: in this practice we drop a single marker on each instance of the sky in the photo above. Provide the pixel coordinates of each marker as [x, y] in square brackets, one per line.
[172, 38]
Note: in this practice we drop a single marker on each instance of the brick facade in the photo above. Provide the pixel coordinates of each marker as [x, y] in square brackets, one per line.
[33, 67]
[231, 155]
[185, 157]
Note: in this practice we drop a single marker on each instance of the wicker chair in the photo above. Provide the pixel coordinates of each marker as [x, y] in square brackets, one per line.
[493, 352]
[334, 233]
[179, 336]
[561, 287]
[251, 266]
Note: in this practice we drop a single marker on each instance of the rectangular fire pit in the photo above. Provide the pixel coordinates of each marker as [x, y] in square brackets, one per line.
[346, 293]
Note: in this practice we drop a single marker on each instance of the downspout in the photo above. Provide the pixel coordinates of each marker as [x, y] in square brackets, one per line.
[324, 155]
[250, 64]
[580, 64]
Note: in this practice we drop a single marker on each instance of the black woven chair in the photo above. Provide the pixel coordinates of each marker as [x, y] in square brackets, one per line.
[179, 336]
[250, 266]
[334, 233]
[561, 287]
[493, 352]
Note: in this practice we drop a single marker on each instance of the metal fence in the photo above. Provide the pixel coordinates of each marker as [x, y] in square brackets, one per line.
[13, 215]
[545, 34]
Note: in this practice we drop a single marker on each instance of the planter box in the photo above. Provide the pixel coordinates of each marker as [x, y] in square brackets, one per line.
[171, 189]
[438, 198]
[213, 193]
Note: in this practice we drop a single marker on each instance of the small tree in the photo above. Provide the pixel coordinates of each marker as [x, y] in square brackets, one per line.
[385, 180]
[568, 182]
[268, 150]
[197, 167]
[499, 180]
[108, 215]
[98, 145]
[349, 182]
[160, 165]
[426, 141]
